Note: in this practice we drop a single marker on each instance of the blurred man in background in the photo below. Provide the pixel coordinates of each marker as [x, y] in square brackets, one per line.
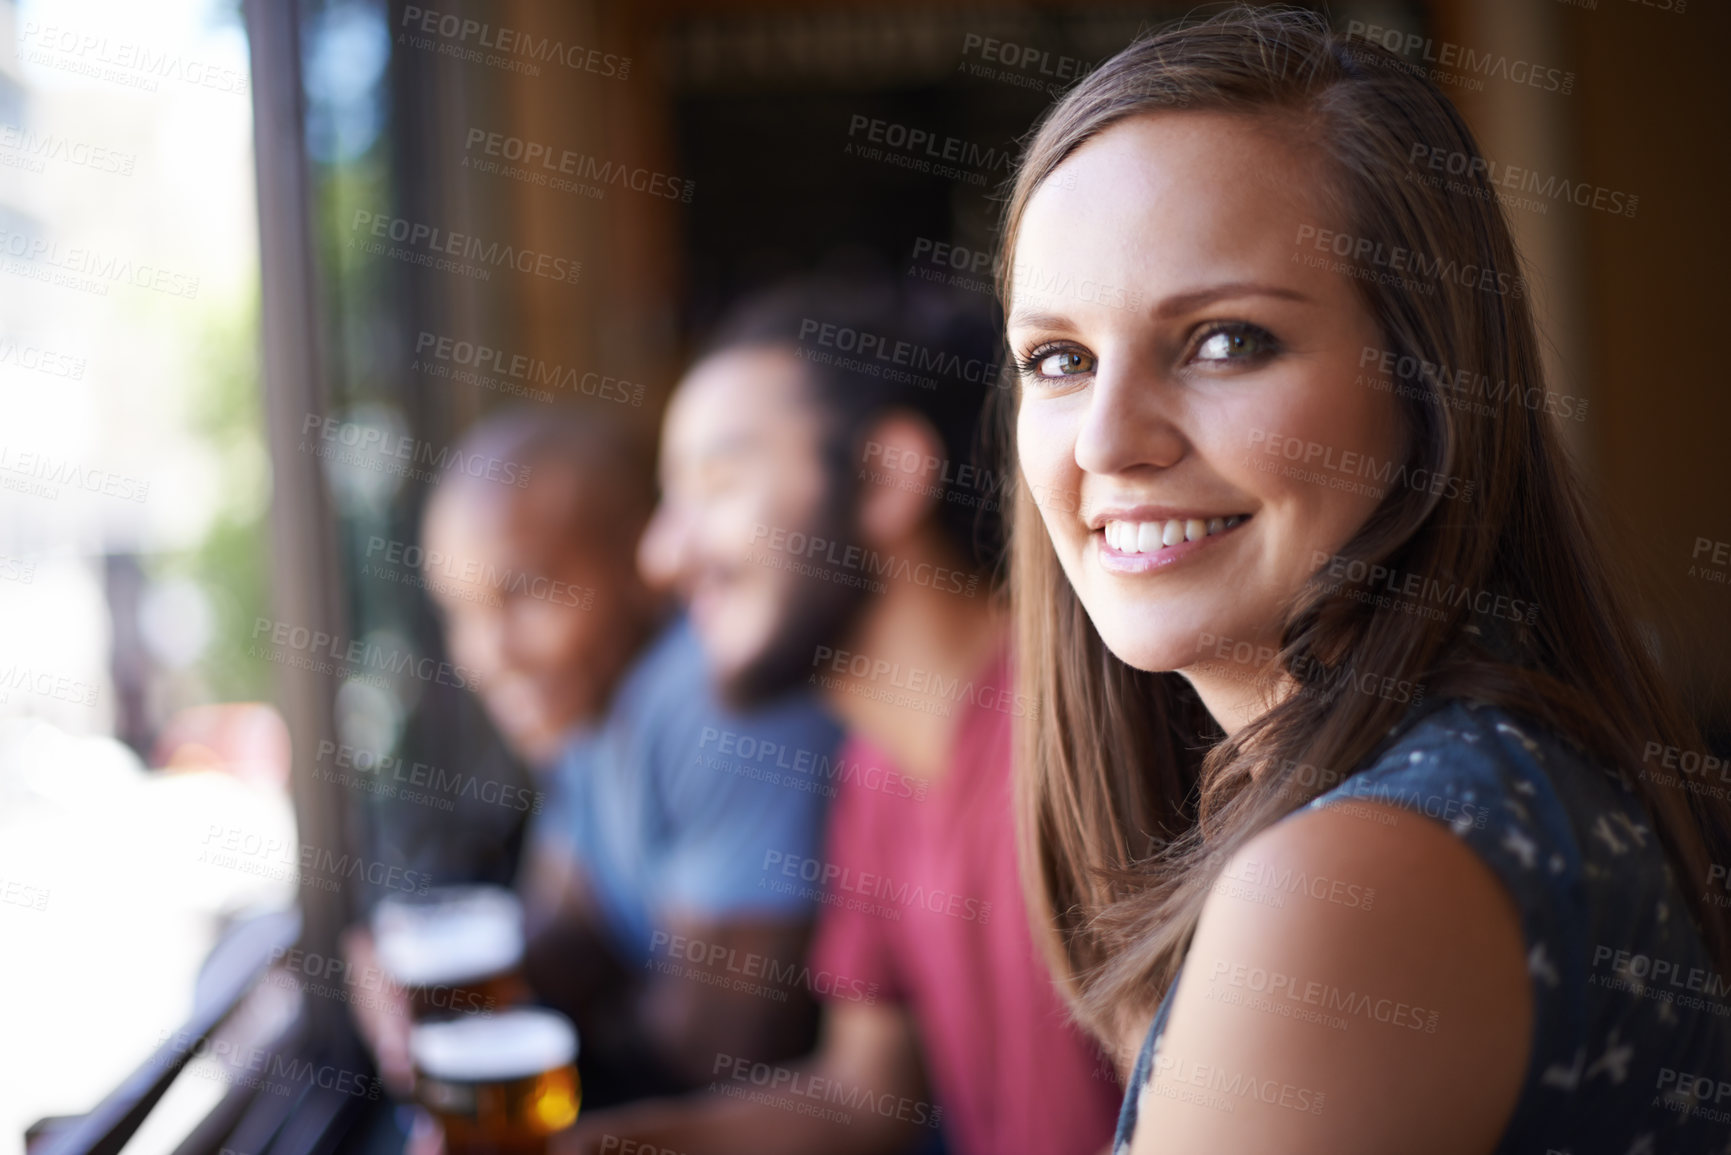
[640, 844]
[821, 514]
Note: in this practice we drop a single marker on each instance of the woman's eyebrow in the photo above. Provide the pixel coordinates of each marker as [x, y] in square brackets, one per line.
[1031, 320]
[1176, 305]
[1179, 304]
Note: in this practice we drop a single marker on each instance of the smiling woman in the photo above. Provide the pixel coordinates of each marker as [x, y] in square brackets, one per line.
[1249, 576]
[1237, 339]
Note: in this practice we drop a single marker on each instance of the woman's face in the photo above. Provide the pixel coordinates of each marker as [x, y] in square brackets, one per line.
[1192, 419]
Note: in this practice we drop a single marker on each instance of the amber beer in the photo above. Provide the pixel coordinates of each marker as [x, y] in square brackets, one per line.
[498, 1084]
[456, 949]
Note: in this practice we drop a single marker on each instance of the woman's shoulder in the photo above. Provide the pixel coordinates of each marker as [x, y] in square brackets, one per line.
[1601, 911]
[1381, 885]
[1544, 815]
[1361, 962]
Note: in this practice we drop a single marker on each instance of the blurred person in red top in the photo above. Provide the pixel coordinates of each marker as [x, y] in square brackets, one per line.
[824, 516]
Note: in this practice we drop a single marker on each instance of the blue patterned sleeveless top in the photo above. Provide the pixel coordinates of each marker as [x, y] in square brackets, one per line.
[1632, 1021]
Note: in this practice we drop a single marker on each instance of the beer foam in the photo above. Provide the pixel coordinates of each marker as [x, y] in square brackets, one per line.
[459, 933]
[514, 1044]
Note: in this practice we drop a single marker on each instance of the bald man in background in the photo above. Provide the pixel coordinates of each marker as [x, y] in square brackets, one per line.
[646, 839]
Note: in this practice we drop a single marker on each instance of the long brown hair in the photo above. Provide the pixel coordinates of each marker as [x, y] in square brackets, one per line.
[1129, 798]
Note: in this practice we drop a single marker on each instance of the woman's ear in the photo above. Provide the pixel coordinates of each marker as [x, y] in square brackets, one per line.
[902, 471]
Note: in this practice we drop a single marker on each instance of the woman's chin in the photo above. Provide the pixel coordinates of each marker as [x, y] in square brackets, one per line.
[1160, 654]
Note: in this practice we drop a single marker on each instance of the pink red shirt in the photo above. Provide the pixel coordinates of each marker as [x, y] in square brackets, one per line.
[925, 901]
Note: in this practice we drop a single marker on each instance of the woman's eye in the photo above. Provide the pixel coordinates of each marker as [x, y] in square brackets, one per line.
[1060, 363]
[1236, 342]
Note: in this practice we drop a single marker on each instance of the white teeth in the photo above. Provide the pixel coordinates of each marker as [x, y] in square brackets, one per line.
[1150, 536]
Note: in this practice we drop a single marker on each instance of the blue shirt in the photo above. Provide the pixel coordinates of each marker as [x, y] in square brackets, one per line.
[672, 802]
[1631, 1019]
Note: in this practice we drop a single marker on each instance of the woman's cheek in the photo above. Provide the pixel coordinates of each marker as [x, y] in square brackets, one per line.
[1045, 442]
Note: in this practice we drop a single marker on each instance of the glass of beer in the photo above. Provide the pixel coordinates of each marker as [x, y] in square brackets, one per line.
[498, 1084]
[456, 949]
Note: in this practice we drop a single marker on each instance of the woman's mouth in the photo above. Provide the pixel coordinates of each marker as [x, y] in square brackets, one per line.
[1137, 537]
[1142, 546]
